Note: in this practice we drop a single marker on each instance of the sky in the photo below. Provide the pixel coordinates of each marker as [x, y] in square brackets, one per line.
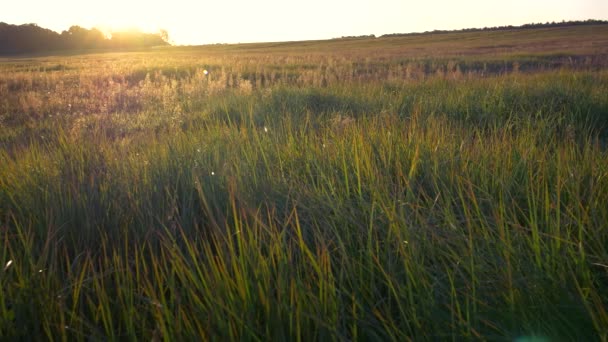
[233, 21]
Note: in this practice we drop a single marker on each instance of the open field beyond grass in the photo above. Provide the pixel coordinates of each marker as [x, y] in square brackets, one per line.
[448, 186]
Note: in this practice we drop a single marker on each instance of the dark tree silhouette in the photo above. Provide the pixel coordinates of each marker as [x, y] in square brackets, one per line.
[78, 37]
[510, 27]
[26, 38]
[29, 38]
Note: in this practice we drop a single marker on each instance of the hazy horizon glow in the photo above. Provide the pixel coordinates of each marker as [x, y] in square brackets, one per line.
[231, 21]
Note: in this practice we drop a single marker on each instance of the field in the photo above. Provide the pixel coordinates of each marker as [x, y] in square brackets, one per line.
[434, 187]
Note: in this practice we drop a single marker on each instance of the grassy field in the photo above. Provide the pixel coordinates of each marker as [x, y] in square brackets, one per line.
[433, 187]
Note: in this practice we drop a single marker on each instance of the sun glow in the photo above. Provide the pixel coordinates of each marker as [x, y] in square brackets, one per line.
[114, 16]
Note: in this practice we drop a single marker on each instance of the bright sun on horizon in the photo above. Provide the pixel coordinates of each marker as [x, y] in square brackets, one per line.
[231, 21]
[115, 16]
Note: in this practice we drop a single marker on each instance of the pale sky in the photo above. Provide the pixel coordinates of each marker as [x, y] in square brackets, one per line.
[232, 21]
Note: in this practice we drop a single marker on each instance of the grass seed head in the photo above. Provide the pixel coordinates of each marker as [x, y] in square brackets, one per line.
[8, 264]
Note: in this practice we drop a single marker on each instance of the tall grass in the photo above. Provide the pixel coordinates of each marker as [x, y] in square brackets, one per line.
[177, 205]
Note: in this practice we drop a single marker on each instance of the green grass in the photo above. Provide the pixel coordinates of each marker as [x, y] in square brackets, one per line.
[311, 196]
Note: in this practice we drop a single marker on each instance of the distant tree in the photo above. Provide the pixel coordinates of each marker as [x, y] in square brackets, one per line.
[510, 27]
[26, 38]
[164, 35]
[137, 39]
[78, 37]
[29, 38]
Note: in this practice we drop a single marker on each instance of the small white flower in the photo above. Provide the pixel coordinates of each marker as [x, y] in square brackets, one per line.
[198, 150]
[212, 173]
[265, 129]
[8, 264]
[205, 72]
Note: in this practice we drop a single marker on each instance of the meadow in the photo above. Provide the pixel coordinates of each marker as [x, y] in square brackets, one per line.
[431, 187]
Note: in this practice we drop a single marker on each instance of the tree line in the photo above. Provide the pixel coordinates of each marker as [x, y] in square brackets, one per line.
[509, 27]
[31, 38]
